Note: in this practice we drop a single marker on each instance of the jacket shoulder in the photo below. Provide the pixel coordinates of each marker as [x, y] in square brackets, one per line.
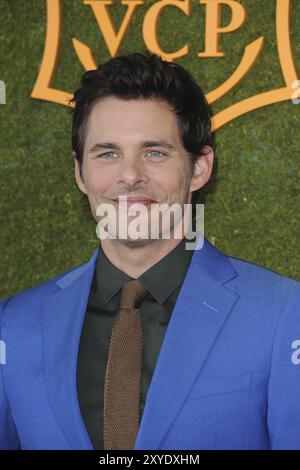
[32, 296]
[260, 279]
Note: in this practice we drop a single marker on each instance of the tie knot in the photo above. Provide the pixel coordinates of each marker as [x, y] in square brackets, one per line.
[132, 294]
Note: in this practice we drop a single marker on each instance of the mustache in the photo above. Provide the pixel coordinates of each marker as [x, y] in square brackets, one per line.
[135, 193]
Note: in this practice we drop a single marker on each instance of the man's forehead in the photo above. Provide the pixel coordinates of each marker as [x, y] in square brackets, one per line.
[112, 120]
[115, 102]
[113, 111]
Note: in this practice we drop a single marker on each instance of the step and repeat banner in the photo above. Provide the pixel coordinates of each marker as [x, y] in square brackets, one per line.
[245, 55]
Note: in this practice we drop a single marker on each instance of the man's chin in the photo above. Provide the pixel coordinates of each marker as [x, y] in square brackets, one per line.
[144, 238]
[133, 244]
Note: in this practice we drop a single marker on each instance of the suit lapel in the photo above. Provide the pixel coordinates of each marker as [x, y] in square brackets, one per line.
[200, 311]
[63, 316]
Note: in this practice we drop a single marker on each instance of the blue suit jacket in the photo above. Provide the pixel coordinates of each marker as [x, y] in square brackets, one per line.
[227, 375]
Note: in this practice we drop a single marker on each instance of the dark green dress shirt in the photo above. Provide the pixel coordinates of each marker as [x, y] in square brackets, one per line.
[163, 281]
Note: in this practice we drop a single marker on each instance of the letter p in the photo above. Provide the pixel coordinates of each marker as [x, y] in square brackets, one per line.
[213, 30]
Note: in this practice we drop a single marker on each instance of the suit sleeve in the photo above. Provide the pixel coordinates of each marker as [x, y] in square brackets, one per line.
[284, 381]
[8, 434]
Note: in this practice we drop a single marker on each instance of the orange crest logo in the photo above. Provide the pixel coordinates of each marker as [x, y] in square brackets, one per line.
[213, 31]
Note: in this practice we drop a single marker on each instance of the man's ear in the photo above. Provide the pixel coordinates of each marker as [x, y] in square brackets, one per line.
[78, 178]
[202, 169]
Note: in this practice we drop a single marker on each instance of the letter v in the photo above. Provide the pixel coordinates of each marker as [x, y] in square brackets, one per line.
[112, 39]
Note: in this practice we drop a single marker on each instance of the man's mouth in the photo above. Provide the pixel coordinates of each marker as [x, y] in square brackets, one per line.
[128, 201]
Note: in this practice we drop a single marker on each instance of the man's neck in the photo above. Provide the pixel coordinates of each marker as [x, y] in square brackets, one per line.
[135, 261]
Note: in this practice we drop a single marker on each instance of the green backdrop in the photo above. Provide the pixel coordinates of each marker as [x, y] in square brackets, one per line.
[252, 210]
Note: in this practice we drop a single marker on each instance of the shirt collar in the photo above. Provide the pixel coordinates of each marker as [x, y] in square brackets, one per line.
[160, 280]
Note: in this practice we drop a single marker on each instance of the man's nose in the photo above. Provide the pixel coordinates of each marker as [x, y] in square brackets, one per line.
[131, 172]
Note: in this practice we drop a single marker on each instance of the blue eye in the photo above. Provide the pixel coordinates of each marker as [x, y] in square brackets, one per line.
[155, 153]
[106, 155]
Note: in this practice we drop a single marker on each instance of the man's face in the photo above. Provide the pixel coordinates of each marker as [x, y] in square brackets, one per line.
[133, 148]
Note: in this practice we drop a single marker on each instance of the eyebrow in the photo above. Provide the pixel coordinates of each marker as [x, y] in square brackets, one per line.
[144, 145]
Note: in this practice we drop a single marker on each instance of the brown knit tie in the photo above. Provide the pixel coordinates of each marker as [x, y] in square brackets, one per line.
[123, 372]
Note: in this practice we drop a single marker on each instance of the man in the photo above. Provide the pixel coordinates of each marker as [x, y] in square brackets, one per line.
[208, 356]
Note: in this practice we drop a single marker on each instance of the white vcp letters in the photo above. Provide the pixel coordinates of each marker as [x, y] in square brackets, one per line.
[159, 221]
